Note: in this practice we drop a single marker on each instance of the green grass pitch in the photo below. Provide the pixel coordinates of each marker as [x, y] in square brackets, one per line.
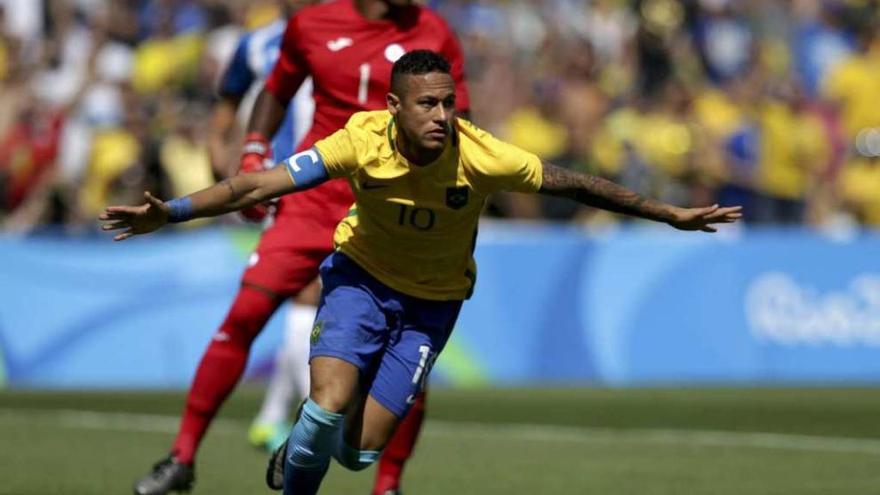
[483, 442]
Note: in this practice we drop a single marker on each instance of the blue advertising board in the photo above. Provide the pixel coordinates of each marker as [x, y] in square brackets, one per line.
[552, 305]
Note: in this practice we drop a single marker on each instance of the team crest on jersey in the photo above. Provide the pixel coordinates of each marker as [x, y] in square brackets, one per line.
[456, 197]
[316, 331]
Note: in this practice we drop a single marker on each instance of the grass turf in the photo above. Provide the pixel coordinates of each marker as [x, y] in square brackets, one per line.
[556, 441]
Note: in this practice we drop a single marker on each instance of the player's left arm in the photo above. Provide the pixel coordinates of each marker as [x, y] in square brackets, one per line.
[597, 192]
[221, 132]
[283, 82]
[299, 172]
[233, 84]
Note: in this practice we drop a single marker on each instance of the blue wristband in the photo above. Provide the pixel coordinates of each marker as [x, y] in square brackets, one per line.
[181, 209]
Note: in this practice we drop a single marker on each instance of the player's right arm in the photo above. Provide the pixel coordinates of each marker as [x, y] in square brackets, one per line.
[334, 156]
[299, 172]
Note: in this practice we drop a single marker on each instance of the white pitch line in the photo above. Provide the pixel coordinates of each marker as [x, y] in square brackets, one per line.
[108, 421]
[165, 424]
[709, 438]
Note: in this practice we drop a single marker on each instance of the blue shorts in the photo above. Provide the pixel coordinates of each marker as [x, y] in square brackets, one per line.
[391, 337]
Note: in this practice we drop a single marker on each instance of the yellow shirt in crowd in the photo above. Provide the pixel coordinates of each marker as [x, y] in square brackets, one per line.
[414, 227]
[113, 152]
[853, 85]
[859, 183]
[161, 62]
[531, 131]
[186, 163]
[794, 146]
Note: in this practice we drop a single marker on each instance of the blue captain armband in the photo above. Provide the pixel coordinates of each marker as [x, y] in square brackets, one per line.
[306, 168]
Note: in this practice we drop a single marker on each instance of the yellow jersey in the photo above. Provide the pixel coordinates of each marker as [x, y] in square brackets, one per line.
[853, 85]
[858, 184]
[793, 149]
[414, 227]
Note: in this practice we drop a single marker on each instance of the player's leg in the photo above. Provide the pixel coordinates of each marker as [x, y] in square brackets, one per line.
[223, 364]
[218, 372]
[399, 449]
[369, 426]
[349, 335]
[271, 419]
[314, 437]
[413, 347]
[290, 377]
[270, 278]
[301, 323]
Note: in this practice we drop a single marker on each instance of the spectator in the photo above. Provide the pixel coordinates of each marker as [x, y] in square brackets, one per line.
[696, 101]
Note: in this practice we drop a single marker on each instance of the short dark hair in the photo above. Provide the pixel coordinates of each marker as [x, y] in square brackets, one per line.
[417, 63]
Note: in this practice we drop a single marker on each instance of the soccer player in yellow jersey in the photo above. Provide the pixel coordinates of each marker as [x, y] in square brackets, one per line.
[403, 264]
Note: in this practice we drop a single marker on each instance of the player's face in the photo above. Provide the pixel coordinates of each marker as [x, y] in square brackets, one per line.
[425, 111]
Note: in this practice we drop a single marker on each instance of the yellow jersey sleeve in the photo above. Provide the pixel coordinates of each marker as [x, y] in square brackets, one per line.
[497, 165]
[339, 152]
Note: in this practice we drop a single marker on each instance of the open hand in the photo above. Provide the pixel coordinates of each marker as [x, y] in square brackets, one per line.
[135, 220]
[703, 218]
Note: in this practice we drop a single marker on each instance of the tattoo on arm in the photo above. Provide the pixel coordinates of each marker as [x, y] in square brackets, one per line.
[601, 193]
[227, 195]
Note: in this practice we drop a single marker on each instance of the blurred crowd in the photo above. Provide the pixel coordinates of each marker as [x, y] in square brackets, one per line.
[770, 104]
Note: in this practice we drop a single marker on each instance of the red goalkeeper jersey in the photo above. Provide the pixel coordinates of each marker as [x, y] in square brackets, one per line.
[349, 59]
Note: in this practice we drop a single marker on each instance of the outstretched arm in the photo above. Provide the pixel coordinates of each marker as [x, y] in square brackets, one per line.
[301, 171]
[601, 193]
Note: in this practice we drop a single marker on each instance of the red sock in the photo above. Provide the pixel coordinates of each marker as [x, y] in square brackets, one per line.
[221, 367]
[399, 449]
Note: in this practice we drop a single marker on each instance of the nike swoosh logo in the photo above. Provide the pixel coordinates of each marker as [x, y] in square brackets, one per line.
[369, 185]
[339, 44]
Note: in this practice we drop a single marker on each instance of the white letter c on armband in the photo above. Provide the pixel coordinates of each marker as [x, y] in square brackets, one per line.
[307, 169]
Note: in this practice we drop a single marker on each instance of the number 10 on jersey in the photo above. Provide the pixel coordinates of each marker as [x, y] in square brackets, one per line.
[415, 217]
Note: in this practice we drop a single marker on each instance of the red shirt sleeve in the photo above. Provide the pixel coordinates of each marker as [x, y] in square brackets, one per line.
[451, 50]
[291, 69]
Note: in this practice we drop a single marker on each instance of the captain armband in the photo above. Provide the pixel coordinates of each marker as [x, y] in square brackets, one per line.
[306, 168]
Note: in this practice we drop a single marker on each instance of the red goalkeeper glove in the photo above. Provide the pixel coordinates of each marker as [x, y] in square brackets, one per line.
[255, 157]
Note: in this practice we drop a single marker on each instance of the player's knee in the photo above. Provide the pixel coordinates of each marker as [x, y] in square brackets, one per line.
[334, 384]
[330, 399]
[331, 393]
[356, 459]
